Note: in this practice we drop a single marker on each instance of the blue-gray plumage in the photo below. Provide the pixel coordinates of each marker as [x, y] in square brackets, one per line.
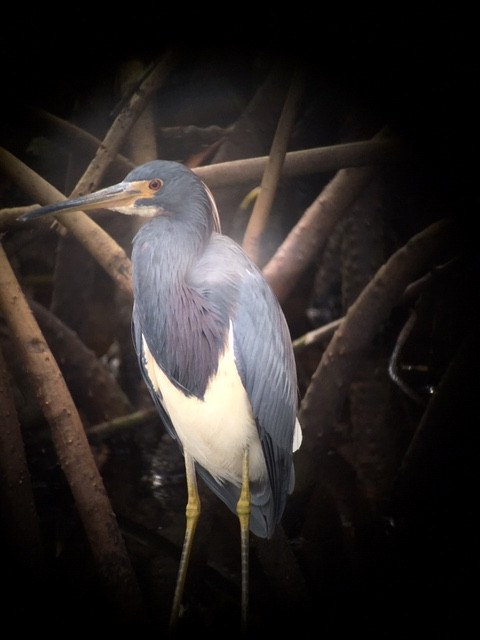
[186, 323]
[213, 346]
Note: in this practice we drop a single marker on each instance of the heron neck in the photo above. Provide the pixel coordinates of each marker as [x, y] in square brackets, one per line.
[167, 248]
[172, 314]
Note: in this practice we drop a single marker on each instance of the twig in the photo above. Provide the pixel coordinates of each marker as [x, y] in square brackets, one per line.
[271, 177]
[324, 333]
[117, 133]
[316, 336]
[109, 428]
[141, 140]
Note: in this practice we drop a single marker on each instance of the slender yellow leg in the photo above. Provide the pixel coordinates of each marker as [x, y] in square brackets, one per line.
[192, 513]
[243, 511]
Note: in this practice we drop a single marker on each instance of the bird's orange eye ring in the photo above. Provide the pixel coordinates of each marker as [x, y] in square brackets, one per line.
[155, 184]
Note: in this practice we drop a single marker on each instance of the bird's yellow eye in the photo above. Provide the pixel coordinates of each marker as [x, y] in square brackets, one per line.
[155, 184]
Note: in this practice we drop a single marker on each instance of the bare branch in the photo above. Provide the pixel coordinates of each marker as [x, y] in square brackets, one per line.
[18, 517]
[305, 162]
[141, 140]
[117, 133]
[309, 235]
[97, 241]
[83, 141]
[271, 177]
[93, 387]
[72, 447]
[316, 336]
[330, 382]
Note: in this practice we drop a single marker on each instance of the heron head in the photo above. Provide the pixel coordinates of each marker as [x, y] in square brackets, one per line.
[155, 188]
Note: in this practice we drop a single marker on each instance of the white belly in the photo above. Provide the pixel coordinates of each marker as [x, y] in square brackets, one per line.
[217, 430]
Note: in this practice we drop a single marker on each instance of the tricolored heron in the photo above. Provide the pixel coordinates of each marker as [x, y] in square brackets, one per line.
[214, 349]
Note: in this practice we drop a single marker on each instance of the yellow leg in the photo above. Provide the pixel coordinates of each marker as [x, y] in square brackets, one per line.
[192, 512]
[243, 511]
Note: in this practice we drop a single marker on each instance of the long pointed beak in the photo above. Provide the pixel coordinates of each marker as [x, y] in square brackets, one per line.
[120, 195]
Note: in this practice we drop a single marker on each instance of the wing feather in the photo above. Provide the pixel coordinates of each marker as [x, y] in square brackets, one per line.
[235, 288]
[265, 361]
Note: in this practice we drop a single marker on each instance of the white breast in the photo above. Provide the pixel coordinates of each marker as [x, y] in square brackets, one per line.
[215, 431]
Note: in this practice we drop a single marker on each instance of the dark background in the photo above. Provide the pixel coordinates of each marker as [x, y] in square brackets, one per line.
[413, 564]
